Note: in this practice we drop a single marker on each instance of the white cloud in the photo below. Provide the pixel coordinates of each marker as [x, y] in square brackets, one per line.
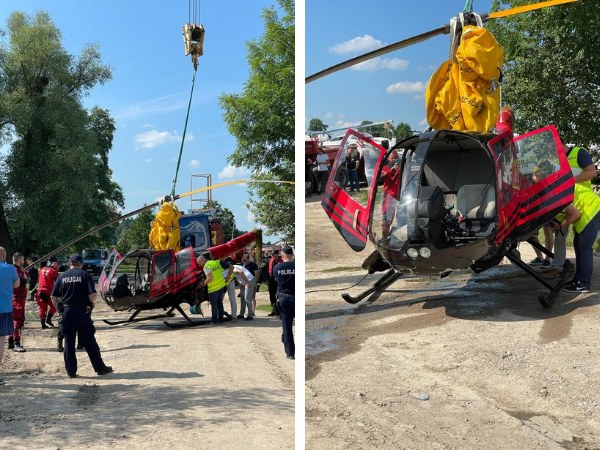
[167, 103]
[250, 217]
[358, 44]
[148, 160]
[328, 115]
[233, 173]
[382, 63]
[423, 122]
[154, 138]
[406, 87]
[194, 163]
[345, 124]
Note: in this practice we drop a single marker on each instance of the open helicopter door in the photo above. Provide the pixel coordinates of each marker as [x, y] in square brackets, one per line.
[109, 266]
[163, 273]
[186, 270]
[507, 183]
[351, 215]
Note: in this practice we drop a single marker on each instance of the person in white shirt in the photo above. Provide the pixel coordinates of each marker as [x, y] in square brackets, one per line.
[239, 273]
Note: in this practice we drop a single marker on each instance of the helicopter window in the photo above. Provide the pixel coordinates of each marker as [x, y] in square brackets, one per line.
[162, 266]
[538, 157]
[184, 260]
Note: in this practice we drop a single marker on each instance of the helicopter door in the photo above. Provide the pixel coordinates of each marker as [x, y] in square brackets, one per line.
[163, 264]
[350, 215]
[507, 183]
[109, 266]
[186, 270]
[546, 177]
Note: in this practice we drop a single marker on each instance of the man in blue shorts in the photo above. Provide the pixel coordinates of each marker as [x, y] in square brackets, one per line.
[8, 281]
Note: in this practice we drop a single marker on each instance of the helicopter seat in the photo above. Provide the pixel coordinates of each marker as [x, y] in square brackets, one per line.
[476, 203]
[430, 212]
[120, 286]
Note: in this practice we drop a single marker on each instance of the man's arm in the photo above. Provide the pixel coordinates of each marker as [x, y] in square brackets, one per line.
[572, 214]
[586, 174]
[93, 298]
[55, 301]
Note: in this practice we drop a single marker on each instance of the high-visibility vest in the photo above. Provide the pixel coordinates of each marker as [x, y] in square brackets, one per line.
[218, 282]
[573, 163]
[588, 204]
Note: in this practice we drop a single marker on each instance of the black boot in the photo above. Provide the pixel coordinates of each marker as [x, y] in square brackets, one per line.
[18, 348]
[49, 320]
[11, 342]
[59, 345]
[44, 326]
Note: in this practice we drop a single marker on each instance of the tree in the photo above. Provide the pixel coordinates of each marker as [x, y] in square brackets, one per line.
[262, 121]
[227, 219]
[57, 182]
[135, 232]
[402, 131]
[552, 68]
[317, 125]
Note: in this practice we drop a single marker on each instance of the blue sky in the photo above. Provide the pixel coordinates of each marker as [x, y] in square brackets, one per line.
[149, 91]
[392, 88]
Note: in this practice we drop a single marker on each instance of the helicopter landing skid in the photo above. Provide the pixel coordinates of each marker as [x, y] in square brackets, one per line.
[387, 279]
[132, 318]
[188, 322]
[567, 274]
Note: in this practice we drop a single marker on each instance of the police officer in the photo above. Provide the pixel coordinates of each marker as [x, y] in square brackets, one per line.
[284, 274]
[77, 294]
[272, 283]
[218, 275]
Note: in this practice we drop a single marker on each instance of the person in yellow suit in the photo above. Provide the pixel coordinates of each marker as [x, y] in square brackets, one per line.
[218, 275]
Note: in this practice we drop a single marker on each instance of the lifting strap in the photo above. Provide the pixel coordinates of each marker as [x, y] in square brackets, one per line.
[187, 116]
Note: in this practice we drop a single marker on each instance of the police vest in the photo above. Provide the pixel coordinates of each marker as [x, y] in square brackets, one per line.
[218, 282]
[588, 204]
[573, 163]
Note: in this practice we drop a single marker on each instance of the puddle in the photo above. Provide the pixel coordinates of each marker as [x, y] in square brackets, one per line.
[319, 341]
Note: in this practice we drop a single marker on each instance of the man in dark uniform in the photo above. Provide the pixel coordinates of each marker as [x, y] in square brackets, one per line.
[284, 273]
[77, 294]
[32, 278]
[272, 283]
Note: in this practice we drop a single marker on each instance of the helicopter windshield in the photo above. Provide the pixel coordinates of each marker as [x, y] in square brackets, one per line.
[395, 210]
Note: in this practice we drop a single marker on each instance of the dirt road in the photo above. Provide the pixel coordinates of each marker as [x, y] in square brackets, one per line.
[228, 386]
[467, 362]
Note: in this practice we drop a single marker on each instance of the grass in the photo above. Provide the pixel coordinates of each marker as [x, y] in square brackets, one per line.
[263, 308]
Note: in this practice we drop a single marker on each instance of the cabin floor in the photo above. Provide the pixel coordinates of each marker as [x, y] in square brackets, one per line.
[228, 386]
[468, 361]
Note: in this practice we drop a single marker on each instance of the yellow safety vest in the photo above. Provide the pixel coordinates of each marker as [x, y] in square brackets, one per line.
[573, 163]
[218, 282]
[588, 204]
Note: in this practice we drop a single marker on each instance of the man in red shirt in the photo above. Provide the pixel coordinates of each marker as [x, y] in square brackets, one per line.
[47, 278]
[19, 298]
[390, 175]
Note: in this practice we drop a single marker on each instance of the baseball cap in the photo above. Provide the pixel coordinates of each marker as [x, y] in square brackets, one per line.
[288, 250]
[76, 258]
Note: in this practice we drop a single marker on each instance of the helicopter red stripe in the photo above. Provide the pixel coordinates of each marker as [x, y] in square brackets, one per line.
[338, 219]
[341, 211]
[342, 217]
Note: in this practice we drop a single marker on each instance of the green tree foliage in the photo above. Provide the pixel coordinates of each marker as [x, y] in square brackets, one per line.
[262, 120]
[552, 68]
[227, 219]
[317, 125]
[402, 131]
[135, 232]
[57, 182]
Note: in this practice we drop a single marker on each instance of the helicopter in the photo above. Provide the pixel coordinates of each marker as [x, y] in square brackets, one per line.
[145, 279]
[449, 199]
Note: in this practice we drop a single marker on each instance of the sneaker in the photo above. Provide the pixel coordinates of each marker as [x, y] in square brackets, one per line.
[239, 316]
[546, 264]
[106, 370]
[18, 348]
[576, 288]
[271, 314]
[290, 356]
[536, 262]
[72, 375]
[249, 318]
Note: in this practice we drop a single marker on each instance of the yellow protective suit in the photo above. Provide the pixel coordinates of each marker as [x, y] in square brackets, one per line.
[464, 94]
[164, 233]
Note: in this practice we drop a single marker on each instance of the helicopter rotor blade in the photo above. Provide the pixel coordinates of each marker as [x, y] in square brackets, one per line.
[526, 8]
[427, 35]
[380, 51]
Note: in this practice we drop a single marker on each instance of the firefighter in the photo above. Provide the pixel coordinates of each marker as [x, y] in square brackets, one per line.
[47, 278]
[19, 299]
